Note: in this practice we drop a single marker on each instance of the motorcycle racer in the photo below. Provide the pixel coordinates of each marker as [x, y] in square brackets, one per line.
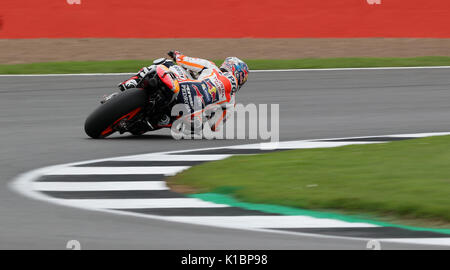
[205, 83]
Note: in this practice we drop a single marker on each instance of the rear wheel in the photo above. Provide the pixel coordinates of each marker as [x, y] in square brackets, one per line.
[125, 105]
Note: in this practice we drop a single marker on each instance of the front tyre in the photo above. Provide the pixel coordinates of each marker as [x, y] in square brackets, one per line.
[125, 105]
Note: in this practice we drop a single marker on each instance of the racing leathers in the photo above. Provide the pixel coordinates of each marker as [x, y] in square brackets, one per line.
[212, 87]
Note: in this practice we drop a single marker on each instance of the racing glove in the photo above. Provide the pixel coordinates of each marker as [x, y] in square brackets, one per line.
[174, 55]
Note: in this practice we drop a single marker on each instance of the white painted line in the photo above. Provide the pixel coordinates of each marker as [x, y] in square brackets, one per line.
[421, 135]
[412, 135]
[252, 71]
[424, 241]
[166, 170]
[155, 157]
[99, 186]
[143, 203]
[302, 145]
[271, 222]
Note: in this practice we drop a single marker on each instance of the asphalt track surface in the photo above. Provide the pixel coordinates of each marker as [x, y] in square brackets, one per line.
[42, 118]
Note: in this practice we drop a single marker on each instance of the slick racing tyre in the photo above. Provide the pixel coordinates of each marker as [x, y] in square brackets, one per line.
[125, 105]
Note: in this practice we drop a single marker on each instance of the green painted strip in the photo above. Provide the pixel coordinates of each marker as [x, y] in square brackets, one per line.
[291, 211]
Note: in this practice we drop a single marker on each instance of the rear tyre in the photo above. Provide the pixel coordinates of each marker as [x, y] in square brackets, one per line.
[99, 123]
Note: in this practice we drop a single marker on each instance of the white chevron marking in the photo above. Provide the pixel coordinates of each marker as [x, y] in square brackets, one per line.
[271, 222]
[100, 186]
[166, 170]
[143, 203]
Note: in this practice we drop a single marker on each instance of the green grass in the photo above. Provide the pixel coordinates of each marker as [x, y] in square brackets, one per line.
[403, 180]
[135, 65]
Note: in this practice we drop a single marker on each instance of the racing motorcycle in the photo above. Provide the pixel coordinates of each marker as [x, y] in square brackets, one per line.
[136, 110]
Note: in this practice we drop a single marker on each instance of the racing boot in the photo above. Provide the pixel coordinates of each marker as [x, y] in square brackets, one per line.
[134, 81]
[128, 84]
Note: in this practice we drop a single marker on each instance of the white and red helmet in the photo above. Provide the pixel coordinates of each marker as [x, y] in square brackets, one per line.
[237, 67]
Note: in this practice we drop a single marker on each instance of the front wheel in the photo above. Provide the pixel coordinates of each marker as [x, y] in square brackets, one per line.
[125, 105]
